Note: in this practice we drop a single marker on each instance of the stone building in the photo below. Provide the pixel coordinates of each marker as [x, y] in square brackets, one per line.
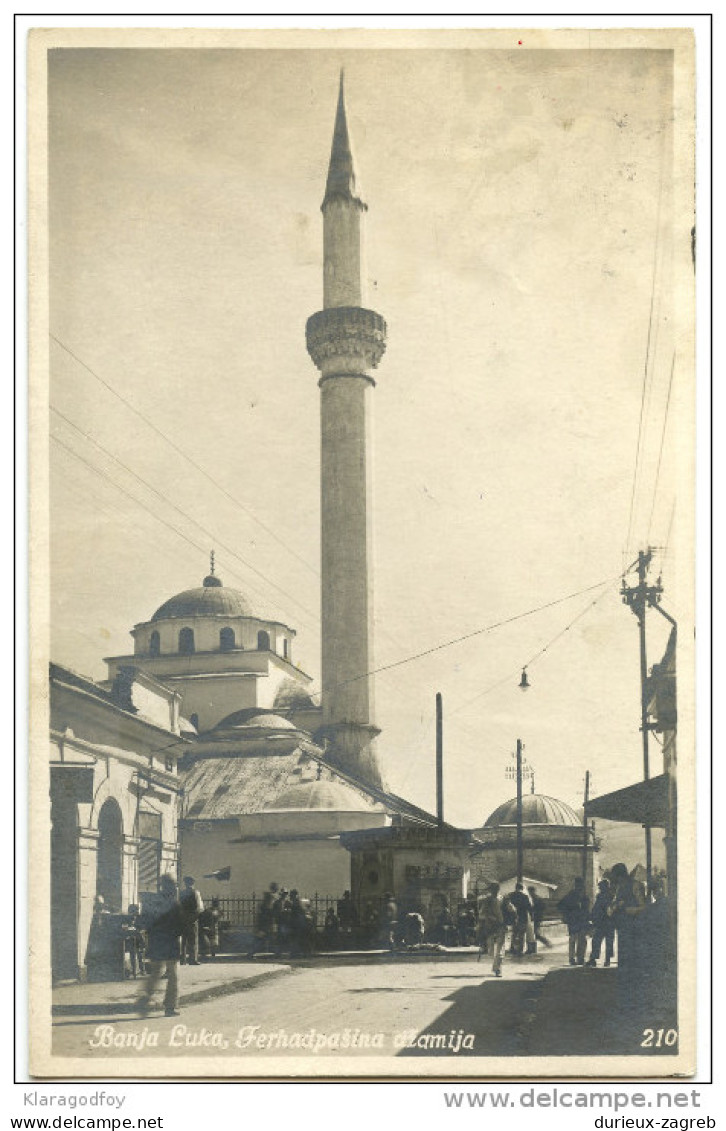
[114, 789]
[553, 839]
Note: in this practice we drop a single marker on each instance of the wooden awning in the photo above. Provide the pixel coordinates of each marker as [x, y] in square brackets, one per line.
[645, 803]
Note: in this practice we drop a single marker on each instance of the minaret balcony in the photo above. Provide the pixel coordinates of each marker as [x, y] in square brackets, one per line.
[345, 340]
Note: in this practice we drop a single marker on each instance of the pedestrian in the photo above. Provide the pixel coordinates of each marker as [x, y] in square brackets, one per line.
[602, 924]
[265, 923]
[523, 928]
[444, 930]
[371, 924]
[628, 901]
[192, 906]
[347, 916]
[164, 922]
[538, 912]
[281, 917]
[389, 934]
[134, 942]
[331, 929]
[492, 927]
[209, 928]
[574, 909]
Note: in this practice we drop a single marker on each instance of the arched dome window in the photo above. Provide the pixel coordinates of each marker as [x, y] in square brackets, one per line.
[226, 639]
[155, 644]
[263, 641]
[186, 641]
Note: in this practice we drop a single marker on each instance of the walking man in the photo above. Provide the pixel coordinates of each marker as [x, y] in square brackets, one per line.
[164, 924]
[492, 927]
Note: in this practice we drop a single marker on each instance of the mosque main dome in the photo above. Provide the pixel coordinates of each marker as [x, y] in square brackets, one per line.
[209, 600]
[536, 810]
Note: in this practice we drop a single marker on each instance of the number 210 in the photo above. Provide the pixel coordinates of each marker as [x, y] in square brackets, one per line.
[656, 1038]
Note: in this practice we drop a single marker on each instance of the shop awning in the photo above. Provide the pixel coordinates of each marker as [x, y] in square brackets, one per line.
[645, 803]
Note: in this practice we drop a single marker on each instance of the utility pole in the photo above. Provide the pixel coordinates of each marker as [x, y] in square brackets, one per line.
[520, 846]
[638, 597]
[585, 829]
[439, 760]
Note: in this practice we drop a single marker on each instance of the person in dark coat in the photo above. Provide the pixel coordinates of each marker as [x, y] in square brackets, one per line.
[209, 928]
[603, 927]
[192, 906]
[164, 921]
[265, 924]
[627, 903]
[538, 912]
[523, 929]
[575, 911]
[347, 917]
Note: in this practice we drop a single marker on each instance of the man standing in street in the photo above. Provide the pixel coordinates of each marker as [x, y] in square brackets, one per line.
[164, 923]
[574, 909]
[192, 906]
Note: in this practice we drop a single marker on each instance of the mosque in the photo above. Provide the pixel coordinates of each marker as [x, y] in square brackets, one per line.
[203, 752]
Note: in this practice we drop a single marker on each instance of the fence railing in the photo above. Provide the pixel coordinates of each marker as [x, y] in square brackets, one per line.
[242, 912]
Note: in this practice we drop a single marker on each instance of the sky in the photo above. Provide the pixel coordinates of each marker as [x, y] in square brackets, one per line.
[521, 246]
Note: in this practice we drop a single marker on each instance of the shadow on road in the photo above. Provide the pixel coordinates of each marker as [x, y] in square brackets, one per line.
[496, 1013]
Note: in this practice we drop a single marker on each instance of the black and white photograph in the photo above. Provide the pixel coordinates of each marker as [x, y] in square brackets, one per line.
[362, 553]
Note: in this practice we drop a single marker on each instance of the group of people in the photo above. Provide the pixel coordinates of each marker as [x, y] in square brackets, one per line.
[620, 899]
[285, 923]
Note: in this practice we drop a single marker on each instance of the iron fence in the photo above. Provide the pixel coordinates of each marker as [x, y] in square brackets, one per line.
[242, 912]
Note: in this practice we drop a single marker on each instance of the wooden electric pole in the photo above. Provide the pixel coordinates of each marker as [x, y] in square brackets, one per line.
[638, 597]
[585, 829]
[439, 759]
[520, 846]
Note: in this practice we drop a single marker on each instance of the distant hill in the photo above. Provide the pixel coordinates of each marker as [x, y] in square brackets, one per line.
[624, 842]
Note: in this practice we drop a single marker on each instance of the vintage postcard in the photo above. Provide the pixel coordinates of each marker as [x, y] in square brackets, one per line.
[362, 553]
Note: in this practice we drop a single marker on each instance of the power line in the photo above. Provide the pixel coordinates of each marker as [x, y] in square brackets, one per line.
[469, 635]
[134, 498]
[511, 675]
[647, 352]
[183, 454]
[662, 440]
[179, 510]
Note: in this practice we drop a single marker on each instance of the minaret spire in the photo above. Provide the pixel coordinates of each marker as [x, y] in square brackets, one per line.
[341, 181]
[346, 341]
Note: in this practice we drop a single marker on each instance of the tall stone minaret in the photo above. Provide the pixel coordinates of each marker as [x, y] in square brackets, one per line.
[346, 341]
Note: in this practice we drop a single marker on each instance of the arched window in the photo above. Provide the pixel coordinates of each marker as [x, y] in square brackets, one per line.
[186, 641]
[155, 644]
[226, 639]
[263, 641]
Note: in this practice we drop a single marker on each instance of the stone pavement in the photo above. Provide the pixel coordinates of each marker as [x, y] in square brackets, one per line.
[226, 975]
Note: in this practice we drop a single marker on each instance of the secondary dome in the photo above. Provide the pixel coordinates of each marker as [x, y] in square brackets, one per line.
[211, 599]
[321, 795]
[536, 810]
[248, 718]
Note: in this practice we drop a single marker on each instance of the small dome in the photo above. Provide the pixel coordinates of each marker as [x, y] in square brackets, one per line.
[291, 694]
[321, 795]
[211, 599]
[536, 810]
[244, 718]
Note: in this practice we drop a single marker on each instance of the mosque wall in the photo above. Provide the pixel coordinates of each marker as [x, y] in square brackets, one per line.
[314, 864]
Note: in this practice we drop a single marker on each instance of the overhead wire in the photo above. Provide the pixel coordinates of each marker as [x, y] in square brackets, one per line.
[537, 655]
[185, 455]
[646, 367]
[660, 451]
[178, 509]
[134, 498]
[468, 635]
